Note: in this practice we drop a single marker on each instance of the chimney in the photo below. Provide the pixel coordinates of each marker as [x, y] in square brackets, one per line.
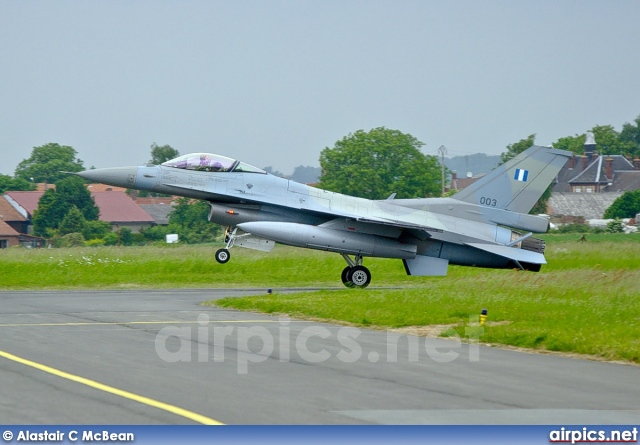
[609, 168]
[572, 162]
[636, 164]
[584, 162]
[589, 145]
[454, 180]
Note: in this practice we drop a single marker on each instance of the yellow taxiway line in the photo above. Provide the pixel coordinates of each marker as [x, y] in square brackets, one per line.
[199, 418]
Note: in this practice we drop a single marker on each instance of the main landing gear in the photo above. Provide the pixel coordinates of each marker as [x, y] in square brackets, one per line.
[355, 274]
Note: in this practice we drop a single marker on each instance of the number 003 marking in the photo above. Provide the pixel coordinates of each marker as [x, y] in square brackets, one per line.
[488, 202]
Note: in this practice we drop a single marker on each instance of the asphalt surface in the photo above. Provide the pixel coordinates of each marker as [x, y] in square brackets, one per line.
[159, 357]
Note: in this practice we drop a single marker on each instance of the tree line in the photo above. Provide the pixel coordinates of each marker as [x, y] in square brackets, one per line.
[371, 164]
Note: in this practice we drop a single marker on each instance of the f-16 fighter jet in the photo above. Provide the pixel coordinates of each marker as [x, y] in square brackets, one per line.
[485, 225]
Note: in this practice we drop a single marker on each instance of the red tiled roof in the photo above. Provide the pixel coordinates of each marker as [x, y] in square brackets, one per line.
[28, 200]
[7, 230]
[154, 200]
[114, 206]
[117, 207]
[104, 188]
[8, 212]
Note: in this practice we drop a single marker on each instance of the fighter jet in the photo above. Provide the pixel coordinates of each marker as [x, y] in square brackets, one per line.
[484, 225]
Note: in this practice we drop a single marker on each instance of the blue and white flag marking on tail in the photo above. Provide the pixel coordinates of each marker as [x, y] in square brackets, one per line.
[521, 175]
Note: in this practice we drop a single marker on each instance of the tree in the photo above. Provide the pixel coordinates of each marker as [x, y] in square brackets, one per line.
[631, 134]
[609, 142]
[377, 163]
[8, 183]
[73, 222]
[190, 219]
[574, 144]
[55, 204]
[162, 153]
[626, 206]
[49, 214]
[47, 162]
[73, 191]
[515, 149]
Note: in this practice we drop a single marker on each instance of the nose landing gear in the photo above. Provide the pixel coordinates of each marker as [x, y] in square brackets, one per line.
[223, 255]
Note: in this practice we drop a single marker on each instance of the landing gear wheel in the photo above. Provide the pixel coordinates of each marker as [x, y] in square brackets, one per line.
[345, 277]
[222, 256]
[359, 276]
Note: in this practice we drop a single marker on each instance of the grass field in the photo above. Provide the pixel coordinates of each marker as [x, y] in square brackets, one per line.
[586, 300]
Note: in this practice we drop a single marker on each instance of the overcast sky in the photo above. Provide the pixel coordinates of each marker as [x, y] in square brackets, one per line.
[275, 82]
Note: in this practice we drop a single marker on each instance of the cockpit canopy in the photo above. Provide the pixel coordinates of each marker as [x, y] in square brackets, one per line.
[211, 163]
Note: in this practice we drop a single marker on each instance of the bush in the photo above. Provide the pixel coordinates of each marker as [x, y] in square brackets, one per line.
[69, 240]
[111, 239]
[615, 226]
[96, 242]
[155, 233]
[95, 229]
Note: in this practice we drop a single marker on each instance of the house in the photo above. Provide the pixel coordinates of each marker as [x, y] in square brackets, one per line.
[10, 237]
[593, 173]
[116, 208]
[159, 207]
[589, 183]
[120, 211]
[586, 205]
[12, 217]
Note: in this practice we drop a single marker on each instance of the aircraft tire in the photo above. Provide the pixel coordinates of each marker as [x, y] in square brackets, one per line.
[345, 277]
[222, 256]
[359, 276]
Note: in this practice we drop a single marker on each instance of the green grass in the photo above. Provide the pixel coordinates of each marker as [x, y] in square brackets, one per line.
[586, 300]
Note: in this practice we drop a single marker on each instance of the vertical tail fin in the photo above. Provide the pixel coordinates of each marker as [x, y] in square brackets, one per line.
[518, 184]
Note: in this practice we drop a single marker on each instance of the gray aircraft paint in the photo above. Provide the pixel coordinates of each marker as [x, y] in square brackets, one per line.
[473, 228]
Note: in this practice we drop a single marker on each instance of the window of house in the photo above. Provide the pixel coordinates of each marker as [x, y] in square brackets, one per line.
[3, 244]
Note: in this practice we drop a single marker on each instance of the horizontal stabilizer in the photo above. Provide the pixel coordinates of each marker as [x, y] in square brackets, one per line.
[513, 253]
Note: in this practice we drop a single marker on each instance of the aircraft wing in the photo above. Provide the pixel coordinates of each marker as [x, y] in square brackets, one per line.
[399, 224]
[511, 252]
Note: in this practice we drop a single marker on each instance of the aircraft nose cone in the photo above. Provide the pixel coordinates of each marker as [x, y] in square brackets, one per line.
[118, 176]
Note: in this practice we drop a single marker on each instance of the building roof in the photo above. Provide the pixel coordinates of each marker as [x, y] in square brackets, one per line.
[625, 181]
[593, 170]
[104, 188]
[7, 230]
[159, 212]
[28, 201]
[588, 205]
[154, 199]
[117, 207]
[8, 212]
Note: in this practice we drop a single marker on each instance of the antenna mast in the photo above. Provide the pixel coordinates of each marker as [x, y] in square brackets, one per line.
[442, 151]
